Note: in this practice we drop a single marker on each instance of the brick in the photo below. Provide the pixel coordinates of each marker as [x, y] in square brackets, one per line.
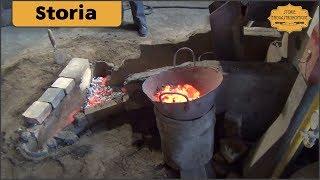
[75, 69]
[37, 112]
[67, 84]
[85, 80]
[52, 96]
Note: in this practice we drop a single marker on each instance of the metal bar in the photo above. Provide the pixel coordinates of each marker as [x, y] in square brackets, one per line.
[297, 139]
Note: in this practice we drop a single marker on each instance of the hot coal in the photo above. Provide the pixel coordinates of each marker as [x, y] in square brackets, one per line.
[100, 92]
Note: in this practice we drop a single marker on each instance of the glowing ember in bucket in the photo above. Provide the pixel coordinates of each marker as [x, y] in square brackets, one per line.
[186, 89]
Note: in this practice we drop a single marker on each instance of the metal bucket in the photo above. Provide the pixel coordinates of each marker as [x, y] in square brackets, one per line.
[186, 144]
[204, 79]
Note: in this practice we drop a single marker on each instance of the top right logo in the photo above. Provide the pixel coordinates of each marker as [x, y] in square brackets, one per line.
[289, 18]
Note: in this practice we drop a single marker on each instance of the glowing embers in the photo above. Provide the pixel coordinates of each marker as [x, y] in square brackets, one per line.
[177, 94]
[99, 91]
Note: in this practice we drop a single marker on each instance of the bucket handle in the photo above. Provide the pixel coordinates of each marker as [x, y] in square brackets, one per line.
[217, 68]
[172, 93]
[184, 48]
[199, 58]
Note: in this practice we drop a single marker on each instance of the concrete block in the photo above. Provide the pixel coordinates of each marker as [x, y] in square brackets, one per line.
[85, 80]
[37, 112]
[52, 96]
[67, 84]
[75, 69]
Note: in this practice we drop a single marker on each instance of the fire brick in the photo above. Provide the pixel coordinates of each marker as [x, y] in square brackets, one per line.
[37, 112]
[67, 84]
[75, 69]
[52, 96]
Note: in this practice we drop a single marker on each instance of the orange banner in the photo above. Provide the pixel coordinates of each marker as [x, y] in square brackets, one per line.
[66, 13]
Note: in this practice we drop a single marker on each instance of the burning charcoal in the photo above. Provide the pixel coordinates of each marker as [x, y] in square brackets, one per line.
[66, 137]
[232, 124]
[52, 143]
[232, 149]
[99, 92]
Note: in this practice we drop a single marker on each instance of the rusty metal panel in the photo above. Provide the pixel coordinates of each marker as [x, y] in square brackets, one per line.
[225, 23]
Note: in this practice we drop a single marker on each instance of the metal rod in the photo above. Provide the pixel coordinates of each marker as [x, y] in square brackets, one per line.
[52, 40]
[172, 93]
[184, 48]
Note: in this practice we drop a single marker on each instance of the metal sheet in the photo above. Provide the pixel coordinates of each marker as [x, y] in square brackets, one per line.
[206, 80]
[226, 31]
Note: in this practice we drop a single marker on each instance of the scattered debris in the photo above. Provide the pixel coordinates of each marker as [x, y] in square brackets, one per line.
[232, 149]
[52, 143]
[85, 80]
[35, 130]
[66, 137]
[69, 127]
[99, 91]
[25, 136]
[80, 122]
[31, 151]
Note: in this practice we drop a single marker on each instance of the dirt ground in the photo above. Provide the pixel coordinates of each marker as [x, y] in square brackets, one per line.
[27, 73]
